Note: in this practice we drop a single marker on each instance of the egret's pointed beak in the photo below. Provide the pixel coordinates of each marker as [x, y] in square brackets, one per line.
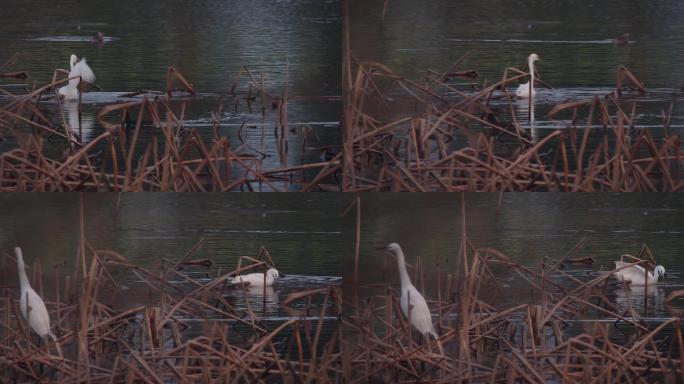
[280, 274]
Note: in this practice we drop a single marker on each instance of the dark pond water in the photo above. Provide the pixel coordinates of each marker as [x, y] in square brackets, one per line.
[208, 41]
[574, 39]
[303, 234]
[286, 43]
[527, 228]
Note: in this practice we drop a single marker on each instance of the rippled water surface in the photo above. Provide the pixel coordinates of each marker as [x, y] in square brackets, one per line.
[575, 40]
[207, 41]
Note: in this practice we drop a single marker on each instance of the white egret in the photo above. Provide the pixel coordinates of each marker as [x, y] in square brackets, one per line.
[257, 279]
[79, 71]
[35, 313]
[637, 275]
[411, 299]
[526, 90]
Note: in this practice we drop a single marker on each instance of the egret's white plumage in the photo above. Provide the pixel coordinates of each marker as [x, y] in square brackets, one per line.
[636, 275]
[419, 316]
[257, 279]
[78, 70]
[36, 314]
[526, 90]
[523, 91]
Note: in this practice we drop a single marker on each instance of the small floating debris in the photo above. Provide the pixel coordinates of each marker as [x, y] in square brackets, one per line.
[622, 39]
[20, 75]
[199, 262]
[99, 38]
[580, 260]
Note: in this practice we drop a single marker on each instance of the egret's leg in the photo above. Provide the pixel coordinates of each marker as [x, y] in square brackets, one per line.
[427, 341]
[57, 346]
[420, 342]
[42, 342]
[439, 345]
[46, 342]
[31, 338]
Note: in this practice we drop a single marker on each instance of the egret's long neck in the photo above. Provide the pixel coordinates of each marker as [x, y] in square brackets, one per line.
[23, 279]
[403, 274]
[530, 65]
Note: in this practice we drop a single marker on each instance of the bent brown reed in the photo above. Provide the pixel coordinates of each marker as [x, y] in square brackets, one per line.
[175, 158]
[154, 343]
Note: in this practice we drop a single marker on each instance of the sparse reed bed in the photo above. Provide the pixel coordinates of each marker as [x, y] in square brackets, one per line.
[99, 343]
[528, 341]
[451, 138]
[174, 156]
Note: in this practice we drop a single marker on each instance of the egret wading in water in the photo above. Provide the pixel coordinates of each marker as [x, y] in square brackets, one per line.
[257, 279]
[35, 312]
[413, 304]
[526, 90]
[637, 275]
[79, 71]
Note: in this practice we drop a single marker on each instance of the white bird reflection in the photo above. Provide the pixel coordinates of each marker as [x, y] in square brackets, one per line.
[81, 124]
[263, 300]
[641, 298]
[525, 115]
